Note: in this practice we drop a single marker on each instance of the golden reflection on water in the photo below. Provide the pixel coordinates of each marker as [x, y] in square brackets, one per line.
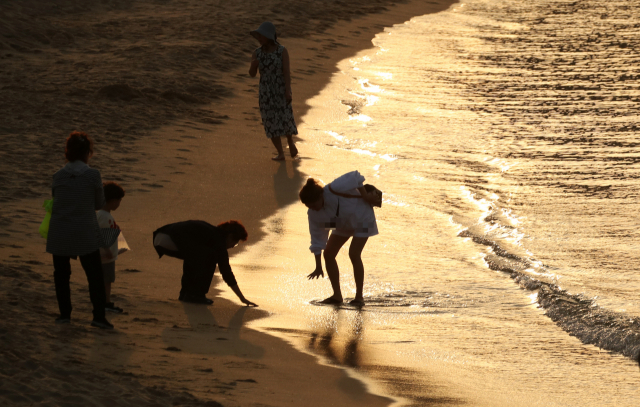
[494, 170]
[338, 341]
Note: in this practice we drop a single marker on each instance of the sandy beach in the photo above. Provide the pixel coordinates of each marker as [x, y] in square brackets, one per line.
[163, 89]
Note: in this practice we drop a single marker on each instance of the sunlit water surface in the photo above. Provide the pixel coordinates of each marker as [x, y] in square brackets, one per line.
[503, 134]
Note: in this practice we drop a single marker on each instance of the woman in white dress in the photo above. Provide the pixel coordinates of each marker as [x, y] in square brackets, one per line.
[345, 208]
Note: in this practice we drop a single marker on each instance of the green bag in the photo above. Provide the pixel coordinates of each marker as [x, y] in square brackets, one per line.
[44, 226]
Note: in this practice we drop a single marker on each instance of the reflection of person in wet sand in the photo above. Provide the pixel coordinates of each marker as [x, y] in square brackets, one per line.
[202, 246]
[272, 61]
[330, 209]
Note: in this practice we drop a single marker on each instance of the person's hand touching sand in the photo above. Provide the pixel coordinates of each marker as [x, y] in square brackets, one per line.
[246, 302]
[249, 303]
[202, 247]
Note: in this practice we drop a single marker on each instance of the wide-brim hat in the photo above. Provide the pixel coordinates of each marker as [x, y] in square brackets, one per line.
[266, 29]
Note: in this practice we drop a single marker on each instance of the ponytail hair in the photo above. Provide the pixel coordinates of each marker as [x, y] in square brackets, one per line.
[311, 192]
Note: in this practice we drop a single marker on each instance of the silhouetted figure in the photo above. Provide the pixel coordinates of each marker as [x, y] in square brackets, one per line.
[272, 61]
[343, 207]
[201, 246]
[113, 194]
[74, 231]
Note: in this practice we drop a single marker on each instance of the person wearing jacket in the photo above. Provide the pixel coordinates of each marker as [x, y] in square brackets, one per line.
[73, 229]
[345, 209]
[202, 247]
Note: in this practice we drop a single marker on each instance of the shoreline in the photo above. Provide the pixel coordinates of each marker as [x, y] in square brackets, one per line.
[188, 163]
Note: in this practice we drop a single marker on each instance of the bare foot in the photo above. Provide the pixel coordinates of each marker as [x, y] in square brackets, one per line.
[357, 302]
[293, 151]
[331, 301]
[278, 158]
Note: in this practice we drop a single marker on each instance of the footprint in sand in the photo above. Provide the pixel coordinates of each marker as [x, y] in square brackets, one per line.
[246, 380]
[143, 320]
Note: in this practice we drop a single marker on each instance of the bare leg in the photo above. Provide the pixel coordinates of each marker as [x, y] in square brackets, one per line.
[330, 252]
[277, 143]
[107, 289]
[355, 252]
[293, 150]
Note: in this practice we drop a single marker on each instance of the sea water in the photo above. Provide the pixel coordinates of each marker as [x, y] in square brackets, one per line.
[503, 135]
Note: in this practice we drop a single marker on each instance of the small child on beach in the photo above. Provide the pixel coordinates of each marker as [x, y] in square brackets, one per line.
[113, 194]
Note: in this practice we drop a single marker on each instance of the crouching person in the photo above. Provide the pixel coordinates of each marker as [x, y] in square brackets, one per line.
[202, 247]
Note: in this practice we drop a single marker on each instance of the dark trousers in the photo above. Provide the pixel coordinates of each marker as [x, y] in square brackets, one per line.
[93, 269]
[197, 273]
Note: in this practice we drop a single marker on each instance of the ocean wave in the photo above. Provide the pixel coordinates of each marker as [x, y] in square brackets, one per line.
[576, 314]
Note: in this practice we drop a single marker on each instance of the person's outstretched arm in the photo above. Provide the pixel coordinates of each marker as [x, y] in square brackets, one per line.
[236, 290]
[318, 272]
[228, 277]
[286, 71]
[253, 70]
[319, 236]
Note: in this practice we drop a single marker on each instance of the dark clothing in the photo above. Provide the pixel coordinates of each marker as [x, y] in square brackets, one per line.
[93, 269]
[202, 246]
[276, 113]
[77, 195]
[197, 275]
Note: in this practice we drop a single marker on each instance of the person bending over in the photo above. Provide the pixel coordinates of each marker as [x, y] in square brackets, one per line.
[343, 207]
[202, 247]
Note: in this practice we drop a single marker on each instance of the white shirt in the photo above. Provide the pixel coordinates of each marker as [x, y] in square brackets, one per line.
[347, 216]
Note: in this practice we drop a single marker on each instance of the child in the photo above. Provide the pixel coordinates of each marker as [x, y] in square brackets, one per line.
[113, 194]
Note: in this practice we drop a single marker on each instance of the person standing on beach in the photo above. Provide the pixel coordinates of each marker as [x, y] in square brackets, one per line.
[272, 61]
[113, 194]
[345, 208]
[201, 246]
[73, 229]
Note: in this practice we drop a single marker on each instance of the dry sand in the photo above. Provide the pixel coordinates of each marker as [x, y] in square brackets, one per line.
[162, 87]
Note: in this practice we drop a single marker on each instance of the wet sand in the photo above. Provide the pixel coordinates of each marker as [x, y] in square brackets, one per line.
[163, 89]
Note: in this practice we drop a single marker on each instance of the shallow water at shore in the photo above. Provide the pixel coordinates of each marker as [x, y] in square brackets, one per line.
[502, 135]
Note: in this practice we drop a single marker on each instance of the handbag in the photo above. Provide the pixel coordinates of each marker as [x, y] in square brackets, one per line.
[369, 188]
[122, 244]
[44, 226]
